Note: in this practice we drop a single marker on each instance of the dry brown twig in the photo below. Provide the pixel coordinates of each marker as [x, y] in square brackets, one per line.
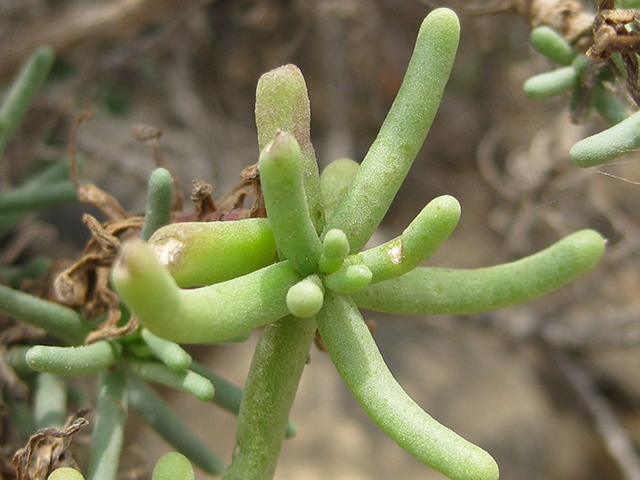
[85, 285]
[612, 35]
[49, 447]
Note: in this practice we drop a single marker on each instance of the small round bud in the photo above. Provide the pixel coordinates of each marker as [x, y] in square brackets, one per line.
[65, 473]
[305, 298]
[335, 246]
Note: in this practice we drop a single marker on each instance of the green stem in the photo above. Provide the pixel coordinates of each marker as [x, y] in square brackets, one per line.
[35, 268]
[608, 105]
[73, 361]
[22, 417]
[159, 201]
[441, 291]
[50, 401]
[8, 221]
[387, 163]
[207, 314]
[229, 396]
[58, 320]
[108, 428]
[273, 379]
[53, 174]
[282, 104]
[22, 92]
[16, 356]
[153, 410]
[56, 171]
[284, 196]
[361, 366]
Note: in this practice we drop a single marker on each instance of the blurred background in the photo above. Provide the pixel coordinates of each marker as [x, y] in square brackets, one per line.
[551, 388]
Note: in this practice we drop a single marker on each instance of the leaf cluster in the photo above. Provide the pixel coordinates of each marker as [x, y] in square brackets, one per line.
[302, 269]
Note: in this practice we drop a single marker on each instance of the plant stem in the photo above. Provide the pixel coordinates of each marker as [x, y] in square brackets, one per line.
[361, 366]
[229, 396]
[108, 429]
[153, 410]
[387, 163]
[608, 105]
[63, 322]
[22, 416]
[50, 401]
[55, 174]
[35, 268]
[272, 383]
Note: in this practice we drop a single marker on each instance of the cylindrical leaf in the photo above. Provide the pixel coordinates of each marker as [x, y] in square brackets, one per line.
[361, 366]
[282, 104]
[418, 242]
[203, 253]
[63, 322]
[608, 144]
[385, 166]
[550, 43]
[445, 291]
[159, 201]
[73, 361]
[199, 315]
[286, 203]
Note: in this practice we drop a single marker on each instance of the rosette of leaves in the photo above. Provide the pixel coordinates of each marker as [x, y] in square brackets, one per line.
[184, 284]
[593, 77]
